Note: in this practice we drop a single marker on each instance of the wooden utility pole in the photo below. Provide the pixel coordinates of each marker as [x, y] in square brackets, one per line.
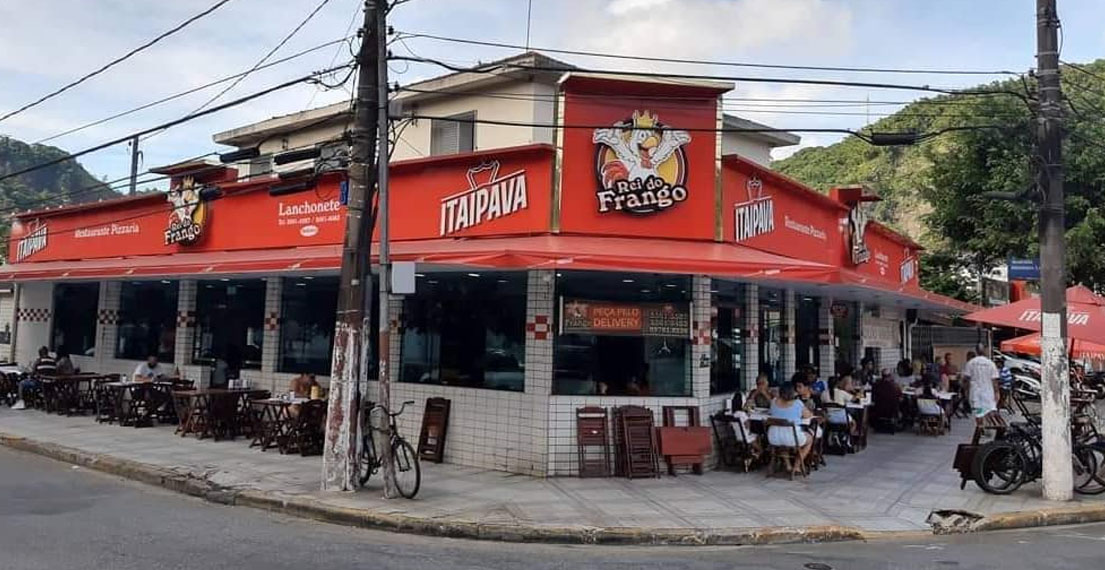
[1058, 478]
[134, 154]
[339, 458]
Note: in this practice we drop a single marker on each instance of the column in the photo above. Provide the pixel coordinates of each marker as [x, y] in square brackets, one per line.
[270, 342]
[701, 333]
[107, 321]
[540, 305]
[186, 332]
[34, 316]
[395, 345]
[826, 338]
[790, 331]
[751, 329]
[860, 344]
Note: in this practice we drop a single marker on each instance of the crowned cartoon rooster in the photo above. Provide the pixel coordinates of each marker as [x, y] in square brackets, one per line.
[641, 145]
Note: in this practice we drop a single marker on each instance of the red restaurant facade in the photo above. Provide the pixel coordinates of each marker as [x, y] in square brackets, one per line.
[628, 262]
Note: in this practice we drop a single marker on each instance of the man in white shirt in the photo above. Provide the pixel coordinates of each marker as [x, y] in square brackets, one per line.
[150, 370]
[982, 376]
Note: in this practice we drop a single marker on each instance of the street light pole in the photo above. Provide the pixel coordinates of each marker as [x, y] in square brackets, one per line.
[1058, 478]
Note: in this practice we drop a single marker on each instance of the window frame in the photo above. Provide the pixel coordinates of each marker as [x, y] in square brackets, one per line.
[441, 124]
[89, 313]
[199, 330]
[171, 320]
[313, 286]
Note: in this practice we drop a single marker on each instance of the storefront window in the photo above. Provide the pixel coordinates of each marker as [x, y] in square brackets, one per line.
[466, 329]
[147, 320]
[230, 317]
[771, 335]
[308, 309]
[846, 333]
[76, 306]
[807, 333]
[727, 342]
[622, 334]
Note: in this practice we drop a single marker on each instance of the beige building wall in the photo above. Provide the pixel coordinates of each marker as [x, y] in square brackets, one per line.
[746, 147]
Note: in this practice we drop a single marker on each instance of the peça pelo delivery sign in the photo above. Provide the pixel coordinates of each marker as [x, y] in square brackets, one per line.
[581, 316]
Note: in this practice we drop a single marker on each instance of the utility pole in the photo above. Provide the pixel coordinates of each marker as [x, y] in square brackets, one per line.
[1058, 478]
[383, 384]
[134, 154]
[339, 457]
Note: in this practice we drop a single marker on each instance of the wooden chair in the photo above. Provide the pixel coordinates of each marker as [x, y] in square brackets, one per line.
[308, 426]
[785, 456]
[838, 429]
[930, 417]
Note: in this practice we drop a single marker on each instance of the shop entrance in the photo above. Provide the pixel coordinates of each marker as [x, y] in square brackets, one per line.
[771, 335]
[846, 333]
[808, 333]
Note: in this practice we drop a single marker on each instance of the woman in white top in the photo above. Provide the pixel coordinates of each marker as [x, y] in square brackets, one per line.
[841, 392]
[905, 377]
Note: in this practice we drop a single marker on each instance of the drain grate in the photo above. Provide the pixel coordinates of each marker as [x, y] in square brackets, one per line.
[817, 566]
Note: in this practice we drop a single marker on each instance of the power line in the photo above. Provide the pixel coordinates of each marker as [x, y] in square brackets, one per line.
[337, 52]
[191, 91]
[867, 137]
[173, 123]
[493, 67]
[270, 53]
[584, 53]
[113, 62]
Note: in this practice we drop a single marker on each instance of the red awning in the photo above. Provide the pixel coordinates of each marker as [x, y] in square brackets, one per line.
[178, 264]
[528, 252]
[848, 276]
[1030, 344]
[1085, 315]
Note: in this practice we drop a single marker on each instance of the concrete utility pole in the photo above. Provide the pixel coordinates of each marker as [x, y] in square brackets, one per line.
[1058, 477]
[134, 154]
[383, 384]
[339, 457]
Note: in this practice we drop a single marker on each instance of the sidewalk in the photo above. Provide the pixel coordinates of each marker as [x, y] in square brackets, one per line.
[892, 486]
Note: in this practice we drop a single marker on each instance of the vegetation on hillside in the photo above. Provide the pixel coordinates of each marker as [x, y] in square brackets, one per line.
[934, 191]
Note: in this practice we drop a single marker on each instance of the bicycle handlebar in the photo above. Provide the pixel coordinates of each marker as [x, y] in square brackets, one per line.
[396, 414]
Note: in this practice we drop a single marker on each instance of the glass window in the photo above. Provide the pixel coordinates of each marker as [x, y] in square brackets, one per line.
[308, 312]
[76, 306]
[727, 344]
[771, 335]
[466, 329]
[453, 134]
[230, 317]
[807, 339]
[643, 350]
[147, 320]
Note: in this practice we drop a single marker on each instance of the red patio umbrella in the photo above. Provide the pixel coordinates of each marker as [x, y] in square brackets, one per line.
[1085, 315]
[1030, 344]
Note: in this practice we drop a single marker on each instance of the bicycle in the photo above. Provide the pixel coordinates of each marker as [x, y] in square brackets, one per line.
[1003, 465]
[408, 473]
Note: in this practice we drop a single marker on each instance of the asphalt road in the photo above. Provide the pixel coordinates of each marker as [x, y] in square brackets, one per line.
[54, 517]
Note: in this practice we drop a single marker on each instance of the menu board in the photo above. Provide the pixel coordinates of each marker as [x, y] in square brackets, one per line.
[581, 316]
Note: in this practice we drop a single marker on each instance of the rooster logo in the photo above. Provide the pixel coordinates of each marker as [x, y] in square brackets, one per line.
[188, 214]
[641, 165]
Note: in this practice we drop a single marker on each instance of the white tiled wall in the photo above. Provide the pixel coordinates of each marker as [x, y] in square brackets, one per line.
[7, 322]
[883, 332]
[826, 338]
[35, 314]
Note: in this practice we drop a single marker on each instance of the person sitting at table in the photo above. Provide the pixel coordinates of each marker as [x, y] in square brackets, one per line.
[301, 385]
[64, 364]
[804, 390]
[927, 403]
[841, 392]
[905, 377]
[760, 397]
[788, 407]
[151, 370]
[886, 403]
[44, 364]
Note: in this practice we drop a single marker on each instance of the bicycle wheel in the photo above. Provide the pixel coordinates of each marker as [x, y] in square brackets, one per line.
[1000, 468]
[366, 462]
[1089, 470]
[408, 474]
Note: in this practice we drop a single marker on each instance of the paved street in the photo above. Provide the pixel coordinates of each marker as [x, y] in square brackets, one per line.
[54, 517]
[891, 486]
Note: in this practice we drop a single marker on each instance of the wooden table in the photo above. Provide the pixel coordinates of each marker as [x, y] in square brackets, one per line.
[136, 403]
[274, 423]
[70, 393]
[211, 412]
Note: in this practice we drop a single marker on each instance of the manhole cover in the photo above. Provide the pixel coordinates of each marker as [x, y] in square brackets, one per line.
[817, 566]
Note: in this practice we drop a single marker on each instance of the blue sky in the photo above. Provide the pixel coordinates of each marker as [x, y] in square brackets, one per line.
[46, 43]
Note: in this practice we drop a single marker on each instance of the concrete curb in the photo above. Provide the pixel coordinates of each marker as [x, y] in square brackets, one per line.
[310, 508]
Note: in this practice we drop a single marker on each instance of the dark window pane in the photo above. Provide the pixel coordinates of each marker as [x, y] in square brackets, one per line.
[466, 329]
[727, 343]
[308, 309]
[620, 364]
[147, 320]
[76, 306]
[229, 322]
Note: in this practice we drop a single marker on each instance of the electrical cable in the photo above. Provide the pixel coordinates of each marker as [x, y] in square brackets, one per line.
[190, 91]
[493, 68]
[113, 62]
[184, 119]
[352, 21]
[715, 63]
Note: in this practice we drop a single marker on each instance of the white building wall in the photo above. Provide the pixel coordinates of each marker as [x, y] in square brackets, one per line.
[747, 148]
[883, 332]
[7, 323]
[35, 316]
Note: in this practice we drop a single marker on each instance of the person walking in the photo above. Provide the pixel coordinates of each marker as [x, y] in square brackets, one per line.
[981, 377]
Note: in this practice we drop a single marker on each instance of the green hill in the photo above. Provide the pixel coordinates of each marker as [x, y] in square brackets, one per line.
[64, 183]
[933, 191]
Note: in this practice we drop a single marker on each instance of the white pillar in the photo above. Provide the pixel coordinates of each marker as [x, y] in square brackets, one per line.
[701, 331]
[790, 333]
[540, 306]
[751, 325]
[270, 342]
[186, 332]
[826, 338]
[107, 322]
